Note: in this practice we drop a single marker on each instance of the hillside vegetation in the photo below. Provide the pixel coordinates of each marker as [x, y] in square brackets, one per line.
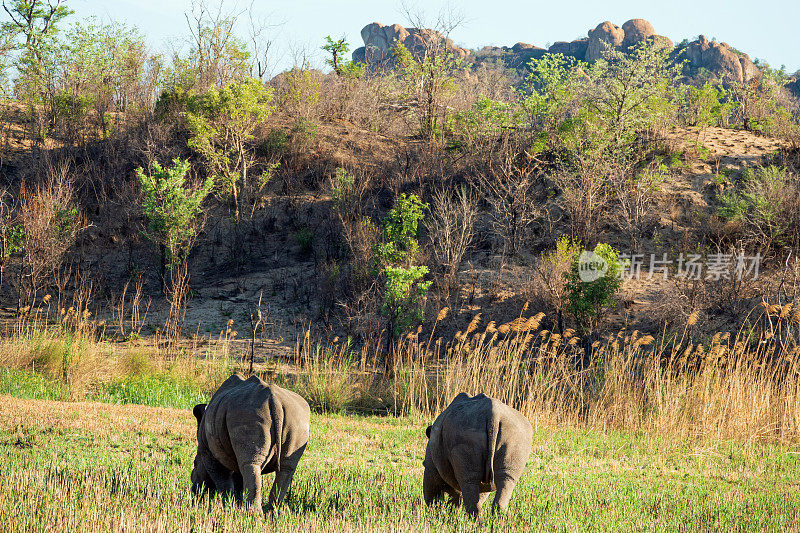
[383, 235]
[604, 235]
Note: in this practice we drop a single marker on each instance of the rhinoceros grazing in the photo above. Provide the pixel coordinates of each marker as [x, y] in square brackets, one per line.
[248, 429]
[477, 445]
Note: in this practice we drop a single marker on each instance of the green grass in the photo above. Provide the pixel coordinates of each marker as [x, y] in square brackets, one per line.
[30, 385]
[156, 390]
[365, 473]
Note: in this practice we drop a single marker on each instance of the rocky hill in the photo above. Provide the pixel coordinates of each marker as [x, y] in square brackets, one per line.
[720, 59]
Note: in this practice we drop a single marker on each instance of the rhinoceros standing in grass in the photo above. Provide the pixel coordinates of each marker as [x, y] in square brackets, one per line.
[477, 445]
[248, 429]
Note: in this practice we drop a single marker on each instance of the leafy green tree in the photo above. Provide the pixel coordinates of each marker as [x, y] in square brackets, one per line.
[172, 210]
[549, 92]
[403, 295]
[338, 61]
[707, 106]
[221, 123]
[486, 119]
[403, 288]
[631, 91]
[760, 104]
[31, 32]
[588, 300]
[400, 229]
[103, 66]
[429, 79]
[590, 118]
[35, 22]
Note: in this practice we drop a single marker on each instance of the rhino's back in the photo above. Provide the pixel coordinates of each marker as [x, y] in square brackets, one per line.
[469, 417]
[239, 396]
[251, 401]
[466, 427]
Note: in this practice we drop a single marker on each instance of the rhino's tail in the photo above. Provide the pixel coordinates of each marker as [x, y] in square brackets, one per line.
[492, 431]
[277, 422]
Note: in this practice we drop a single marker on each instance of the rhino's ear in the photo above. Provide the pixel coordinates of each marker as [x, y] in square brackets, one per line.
[428, 431]
[198, 411]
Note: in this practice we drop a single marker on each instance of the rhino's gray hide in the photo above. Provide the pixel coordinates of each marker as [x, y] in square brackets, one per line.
[477, 445]
[248, 429]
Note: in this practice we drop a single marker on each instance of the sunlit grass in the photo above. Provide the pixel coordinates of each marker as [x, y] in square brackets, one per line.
[365, 474]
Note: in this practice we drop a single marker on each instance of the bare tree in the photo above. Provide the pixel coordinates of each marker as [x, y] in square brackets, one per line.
[429, 67]
[217, 55]
[583, 196]
[635, 193]
[508, 186]
[51, 222]
[10, 232]
[260, 45]
[451, 226]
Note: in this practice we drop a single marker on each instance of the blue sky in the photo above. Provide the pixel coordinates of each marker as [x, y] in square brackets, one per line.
[766, 29]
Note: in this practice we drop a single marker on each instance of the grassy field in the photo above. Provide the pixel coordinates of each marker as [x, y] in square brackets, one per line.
[71, 466]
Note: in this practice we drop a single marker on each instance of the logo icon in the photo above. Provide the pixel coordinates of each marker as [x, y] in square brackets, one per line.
[591, 266]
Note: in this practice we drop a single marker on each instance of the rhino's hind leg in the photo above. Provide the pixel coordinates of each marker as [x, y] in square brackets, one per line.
[283, 480]
[433, 486]
[482, 499]
[238, 487]
[455, 496]
[222, 478]
[471, 494]
[505, 487]
[251, 482]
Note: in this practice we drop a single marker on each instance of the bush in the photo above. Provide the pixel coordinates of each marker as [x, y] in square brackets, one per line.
[171, 209]
[549, 285]
[403, 290]
[305, 239]
[589, 297]
[768, 206]
[222, 123]
[50, 223]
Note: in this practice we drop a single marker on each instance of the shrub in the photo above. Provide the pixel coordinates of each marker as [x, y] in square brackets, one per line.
[768, 204]
[589, 299]
[403, 290]
[305, 239]
[338, 61]
[428, 81]
[451, 226]
[400, 229]
[706, 106]
[171, 209]
[403, 295]
[299, 92]
[550, 279]
[50, 223]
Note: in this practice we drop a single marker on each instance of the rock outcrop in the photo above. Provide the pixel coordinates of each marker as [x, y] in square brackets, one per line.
[632, 33]
[575, 49]
[605, 34]
[721, 60]
[793, 86]
[380, 40]
[636, 31]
